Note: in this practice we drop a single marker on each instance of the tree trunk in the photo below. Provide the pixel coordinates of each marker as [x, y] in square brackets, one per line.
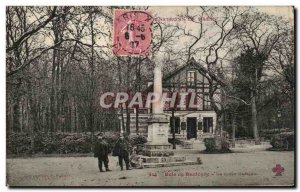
[122, 120]
[138, 71]
[233, 124]
[173, 129]
[16, 116]
[91, 100]
[53, 111]
[137, 120]
[292, 118]
[221, 124]
[122, 126]
[127, 120]
[31, 118]
[254, 117]
[127, 86]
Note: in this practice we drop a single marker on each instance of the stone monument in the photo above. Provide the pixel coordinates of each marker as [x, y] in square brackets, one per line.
[158, 123]
[157, 151]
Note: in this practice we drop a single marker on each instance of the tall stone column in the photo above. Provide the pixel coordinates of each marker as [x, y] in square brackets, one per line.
[157, 108]
[158, 123]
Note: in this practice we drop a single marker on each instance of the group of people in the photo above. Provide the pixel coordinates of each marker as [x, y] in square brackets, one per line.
[121, 149]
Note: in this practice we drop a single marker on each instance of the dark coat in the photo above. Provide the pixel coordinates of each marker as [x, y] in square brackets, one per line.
[101, 148]
[122, 148]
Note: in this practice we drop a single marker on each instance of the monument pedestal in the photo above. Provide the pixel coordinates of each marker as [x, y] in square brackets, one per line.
[158, 152]
[158, 145]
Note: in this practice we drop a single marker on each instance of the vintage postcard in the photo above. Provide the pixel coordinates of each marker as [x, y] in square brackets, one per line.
[150, 96]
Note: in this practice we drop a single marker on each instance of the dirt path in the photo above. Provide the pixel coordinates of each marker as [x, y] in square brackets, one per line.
[251, 168]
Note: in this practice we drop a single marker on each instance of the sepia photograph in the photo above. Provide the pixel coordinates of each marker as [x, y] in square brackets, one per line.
[150, 96]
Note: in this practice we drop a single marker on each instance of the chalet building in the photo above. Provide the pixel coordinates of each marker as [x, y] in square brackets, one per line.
[189, 122]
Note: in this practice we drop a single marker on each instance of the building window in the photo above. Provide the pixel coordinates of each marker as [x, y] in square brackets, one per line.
[191, 78]
[177, 125]
[207, 104]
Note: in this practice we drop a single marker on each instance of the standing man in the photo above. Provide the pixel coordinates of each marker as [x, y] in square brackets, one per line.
[122, 149]
[101, 151]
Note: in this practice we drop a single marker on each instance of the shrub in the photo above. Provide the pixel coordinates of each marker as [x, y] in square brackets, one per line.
[47, 143]
[76, 144]
[51, 145]
[138, 140]
[217, 144]
[39, 137]
[225, 145]
[18, 143]
[210, 144]
[284, 141]
[270, 133]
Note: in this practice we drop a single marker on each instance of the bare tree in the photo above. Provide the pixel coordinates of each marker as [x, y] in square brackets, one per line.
[259, 32]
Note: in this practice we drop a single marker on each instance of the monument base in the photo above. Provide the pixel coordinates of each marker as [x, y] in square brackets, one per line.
[158, 150]
[158, 145]
[169, 164]
[141, 161]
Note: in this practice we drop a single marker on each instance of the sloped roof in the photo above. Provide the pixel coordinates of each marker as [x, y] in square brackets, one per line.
[193, 64]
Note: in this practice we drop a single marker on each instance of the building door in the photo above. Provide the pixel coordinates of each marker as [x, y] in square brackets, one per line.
[191, 127]
[207, 124]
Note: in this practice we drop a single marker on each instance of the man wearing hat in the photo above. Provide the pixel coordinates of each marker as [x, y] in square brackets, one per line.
[101, 151]
[122, 149]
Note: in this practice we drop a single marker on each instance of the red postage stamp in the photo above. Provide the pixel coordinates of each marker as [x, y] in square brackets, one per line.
[132, 33]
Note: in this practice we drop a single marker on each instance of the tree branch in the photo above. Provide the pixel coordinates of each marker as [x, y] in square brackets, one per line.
[28, 34]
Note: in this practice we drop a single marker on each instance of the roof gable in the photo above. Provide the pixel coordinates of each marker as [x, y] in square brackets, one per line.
[192, 64]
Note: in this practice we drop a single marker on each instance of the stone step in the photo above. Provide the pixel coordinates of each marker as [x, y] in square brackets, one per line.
[158, 153]
[170, 164]
[140, 128]
[140, 131]
[140, 117]
[143, 126]
[140, 122]
[163, 159]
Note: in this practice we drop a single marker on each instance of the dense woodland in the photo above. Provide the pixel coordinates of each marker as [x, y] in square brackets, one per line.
[59, 60]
